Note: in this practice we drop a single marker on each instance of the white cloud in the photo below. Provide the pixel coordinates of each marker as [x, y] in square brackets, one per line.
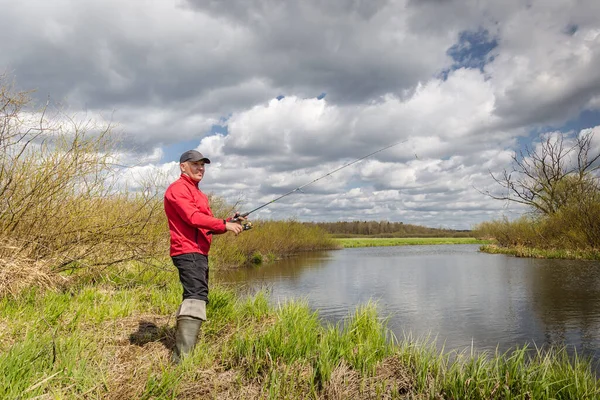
[166, 74]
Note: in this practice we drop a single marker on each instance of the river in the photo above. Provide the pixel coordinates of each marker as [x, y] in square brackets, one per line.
[453, 293]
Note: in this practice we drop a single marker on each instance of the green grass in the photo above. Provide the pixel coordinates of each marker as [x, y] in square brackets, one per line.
[377, 242]
[522, 251]
[111, 339]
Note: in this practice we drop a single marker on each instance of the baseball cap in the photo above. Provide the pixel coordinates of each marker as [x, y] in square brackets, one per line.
[193, 156]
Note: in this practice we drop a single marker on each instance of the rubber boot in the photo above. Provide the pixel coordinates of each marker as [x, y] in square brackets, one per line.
[185, 337]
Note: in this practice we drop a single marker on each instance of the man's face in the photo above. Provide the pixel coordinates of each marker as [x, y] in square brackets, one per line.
[193, 169]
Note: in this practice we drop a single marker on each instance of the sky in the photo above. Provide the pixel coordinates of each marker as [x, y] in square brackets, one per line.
[279, 93]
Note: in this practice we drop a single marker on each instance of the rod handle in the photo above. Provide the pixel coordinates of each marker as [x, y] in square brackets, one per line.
[237, 216]
[247, 225]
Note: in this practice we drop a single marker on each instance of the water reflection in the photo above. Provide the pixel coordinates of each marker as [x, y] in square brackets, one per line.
[565, 296]
[451, 292]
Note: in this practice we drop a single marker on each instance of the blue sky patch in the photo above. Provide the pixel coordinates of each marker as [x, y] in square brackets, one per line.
[172, 151]
[472, 51]
[586, 119]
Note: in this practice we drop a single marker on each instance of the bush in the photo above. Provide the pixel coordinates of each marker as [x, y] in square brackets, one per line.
[269, 240]
[59, 200]
[575, 227]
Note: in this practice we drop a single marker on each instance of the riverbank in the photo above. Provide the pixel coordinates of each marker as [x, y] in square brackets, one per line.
[522, 251]
[112, 339]
[377, 242]
[569, 234]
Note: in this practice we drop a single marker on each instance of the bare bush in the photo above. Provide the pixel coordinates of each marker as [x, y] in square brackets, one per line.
[549, 177]
[58, 199]
[560, 184]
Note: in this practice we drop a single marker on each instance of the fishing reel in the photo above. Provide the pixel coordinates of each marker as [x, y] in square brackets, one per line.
[247, 225]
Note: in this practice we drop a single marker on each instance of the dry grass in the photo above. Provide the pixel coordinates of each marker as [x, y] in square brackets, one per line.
[133, 351]
[392, 380]
[18, 273]
[218, 384]
[141, 347]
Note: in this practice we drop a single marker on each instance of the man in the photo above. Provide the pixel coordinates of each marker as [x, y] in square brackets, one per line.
[192, 224]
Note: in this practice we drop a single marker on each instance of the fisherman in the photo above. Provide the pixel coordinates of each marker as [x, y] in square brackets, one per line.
[191, 225]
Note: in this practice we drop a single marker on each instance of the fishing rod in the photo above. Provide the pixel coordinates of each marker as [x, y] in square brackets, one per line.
[299, 188]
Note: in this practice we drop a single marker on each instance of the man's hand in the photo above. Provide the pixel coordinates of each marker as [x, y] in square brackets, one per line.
[234, 227]
[238, 218]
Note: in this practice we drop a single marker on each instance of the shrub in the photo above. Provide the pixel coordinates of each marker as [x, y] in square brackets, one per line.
[60, 204]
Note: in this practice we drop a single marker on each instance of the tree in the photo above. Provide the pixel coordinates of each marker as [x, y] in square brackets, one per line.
[553, 175]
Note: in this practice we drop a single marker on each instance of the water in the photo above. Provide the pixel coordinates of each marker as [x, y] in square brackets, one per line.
[450, 292]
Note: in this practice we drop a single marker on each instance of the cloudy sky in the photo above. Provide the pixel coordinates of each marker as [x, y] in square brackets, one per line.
[278, 93]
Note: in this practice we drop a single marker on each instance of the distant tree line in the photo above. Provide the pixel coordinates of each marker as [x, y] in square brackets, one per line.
[384, 229]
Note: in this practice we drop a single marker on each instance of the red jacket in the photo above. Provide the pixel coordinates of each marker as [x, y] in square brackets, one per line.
[190, 218]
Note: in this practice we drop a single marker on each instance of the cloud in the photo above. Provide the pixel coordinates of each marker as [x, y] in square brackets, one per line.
[353, 51]
[440, 119]
[278, 94]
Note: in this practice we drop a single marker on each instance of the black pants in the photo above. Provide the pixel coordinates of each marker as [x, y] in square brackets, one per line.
[193, 274]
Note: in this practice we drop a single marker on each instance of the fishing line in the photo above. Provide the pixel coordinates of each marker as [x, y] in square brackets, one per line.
[299, 188]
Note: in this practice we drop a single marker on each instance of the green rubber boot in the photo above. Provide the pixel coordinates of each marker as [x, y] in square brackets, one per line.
[185, 337]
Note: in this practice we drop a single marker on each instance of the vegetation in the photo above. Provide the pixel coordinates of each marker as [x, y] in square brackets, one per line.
[561, 186]
[553, 175]
[520, 251]
[60, 207]
[377, 242]
[111, 339]
[384, 229]
[87, 296]
[268, 241]
[66, 211]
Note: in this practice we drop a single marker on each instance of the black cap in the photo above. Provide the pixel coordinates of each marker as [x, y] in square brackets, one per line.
[193, 156]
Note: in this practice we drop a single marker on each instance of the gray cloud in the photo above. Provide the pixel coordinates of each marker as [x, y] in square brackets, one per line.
[168, 74]
[352, 50]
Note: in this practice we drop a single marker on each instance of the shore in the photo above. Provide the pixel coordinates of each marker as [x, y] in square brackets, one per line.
[112, 339]
[562, 254]
[377, 242]
[487, 246]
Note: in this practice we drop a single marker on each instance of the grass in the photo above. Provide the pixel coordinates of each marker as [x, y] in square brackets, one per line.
[522, 251]
[377, 242]
[112, 339]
